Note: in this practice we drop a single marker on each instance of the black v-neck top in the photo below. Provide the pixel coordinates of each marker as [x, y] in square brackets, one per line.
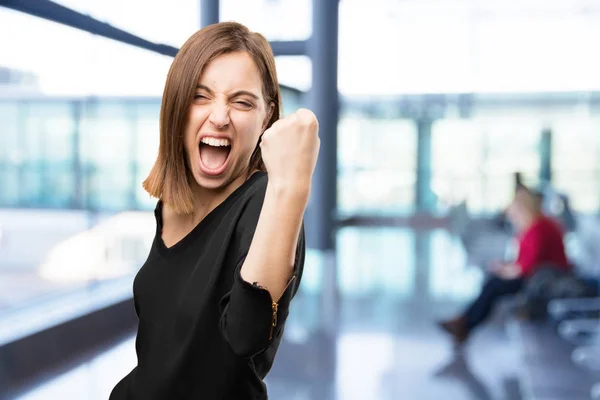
[204, 332]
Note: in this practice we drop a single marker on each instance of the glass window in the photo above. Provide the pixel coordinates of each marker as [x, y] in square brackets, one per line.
[275, 19]
[69, 118]
[472, 161]
[147, 137]
[10, 153]
[466, 47]
[376, 260]
[449, 276]
[108, 154]
[376, 165]
[502, 36]
[158, 22]
[424, 39]
[67, 61]
[294, 71]
[456, 159]
[511, 145]
[575, 155]
[47, 154]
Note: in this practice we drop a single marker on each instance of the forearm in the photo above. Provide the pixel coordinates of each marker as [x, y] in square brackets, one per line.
[270, 259]
[510, 271]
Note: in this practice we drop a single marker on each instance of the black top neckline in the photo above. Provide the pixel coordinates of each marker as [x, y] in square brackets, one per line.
[183, 243]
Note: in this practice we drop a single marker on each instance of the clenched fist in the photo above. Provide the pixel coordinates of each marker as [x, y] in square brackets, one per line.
[290, 148]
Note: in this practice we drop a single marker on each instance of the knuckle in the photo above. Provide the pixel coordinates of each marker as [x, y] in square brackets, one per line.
[307, 117]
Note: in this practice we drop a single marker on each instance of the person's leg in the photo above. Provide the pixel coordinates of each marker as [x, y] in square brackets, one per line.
[480, 309]
[493, 289]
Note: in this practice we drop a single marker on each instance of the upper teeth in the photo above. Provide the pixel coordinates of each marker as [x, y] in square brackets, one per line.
[215, 142]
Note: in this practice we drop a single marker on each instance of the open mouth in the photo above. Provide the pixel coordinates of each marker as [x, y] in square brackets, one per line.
[214, 154]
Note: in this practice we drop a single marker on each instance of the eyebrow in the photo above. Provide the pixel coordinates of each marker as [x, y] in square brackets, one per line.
[235, 94]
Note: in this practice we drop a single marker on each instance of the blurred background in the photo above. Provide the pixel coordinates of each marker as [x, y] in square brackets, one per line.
[427, 110]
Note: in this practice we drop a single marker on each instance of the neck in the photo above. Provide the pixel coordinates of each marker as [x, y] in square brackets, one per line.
[530, 220]
[206, 200]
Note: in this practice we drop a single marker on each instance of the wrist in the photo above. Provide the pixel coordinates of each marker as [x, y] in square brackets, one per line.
[290, 190]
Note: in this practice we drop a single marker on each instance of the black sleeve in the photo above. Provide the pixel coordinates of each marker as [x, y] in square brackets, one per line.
[250, 319]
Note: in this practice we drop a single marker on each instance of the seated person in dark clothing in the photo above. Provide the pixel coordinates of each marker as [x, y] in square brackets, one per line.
[540, 242]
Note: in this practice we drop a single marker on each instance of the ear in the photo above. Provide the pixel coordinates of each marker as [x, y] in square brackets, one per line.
[270, 110]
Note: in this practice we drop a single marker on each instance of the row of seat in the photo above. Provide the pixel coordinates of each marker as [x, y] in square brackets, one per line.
[560, 355]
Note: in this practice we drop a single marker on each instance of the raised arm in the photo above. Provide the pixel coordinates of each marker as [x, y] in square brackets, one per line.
[258, 303]
[289, 149]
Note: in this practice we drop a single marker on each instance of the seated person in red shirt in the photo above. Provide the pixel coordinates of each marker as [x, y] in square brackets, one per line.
[540, 242]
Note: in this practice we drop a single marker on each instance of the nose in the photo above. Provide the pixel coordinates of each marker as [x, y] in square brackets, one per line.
[219, 115]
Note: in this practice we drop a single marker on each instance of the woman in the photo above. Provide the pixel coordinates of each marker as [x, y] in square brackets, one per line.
[227, 258]
[540, 242]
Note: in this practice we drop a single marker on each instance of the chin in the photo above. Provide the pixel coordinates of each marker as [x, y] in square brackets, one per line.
[211, 182]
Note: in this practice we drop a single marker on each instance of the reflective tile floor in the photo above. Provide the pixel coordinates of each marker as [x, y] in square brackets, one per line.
[372, 339]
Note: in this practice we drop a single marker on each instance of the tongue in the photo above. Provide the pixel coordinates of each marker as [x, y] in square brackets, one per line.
[213, 157]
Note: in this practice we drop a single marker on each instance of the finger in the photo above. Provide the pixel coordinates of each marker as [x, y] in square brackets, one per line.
[305, 113]
[306, 117]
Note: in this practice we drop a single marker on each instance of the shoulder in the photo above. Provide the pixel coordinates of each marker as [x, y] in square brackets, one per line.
[546, 227]
[252, 200]
[165, 215]
[258, 182]
[256, 189]
[249, 209]
[548, 224]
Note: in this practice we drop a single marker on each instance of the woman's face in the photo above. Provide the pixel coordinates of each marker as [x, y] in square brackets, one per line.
[515, 214]
[226, 118]
[519, 211]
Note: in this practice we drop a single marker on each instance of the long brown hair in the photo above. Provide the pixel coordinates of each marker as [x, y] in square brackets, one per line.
[169, 178]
